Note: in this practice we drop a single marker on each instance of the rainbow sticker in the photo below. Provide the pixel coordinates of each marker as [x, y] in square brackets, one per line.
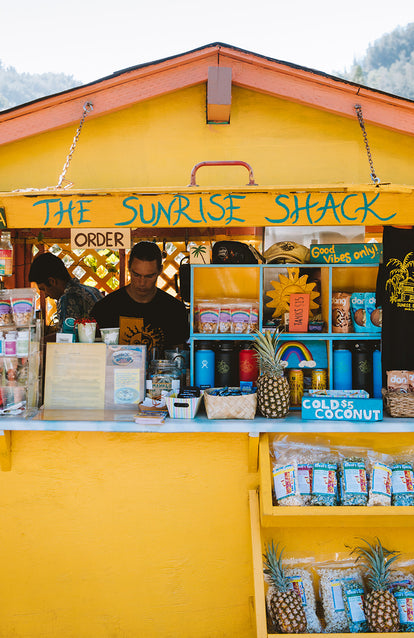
[298, 350]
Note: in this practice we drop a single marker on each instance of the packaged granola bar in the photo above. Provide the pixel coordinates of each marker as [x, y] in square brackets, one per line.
[379, 483]
[331, 578]
[402, 484]
[353, 598]
[353, 481]
[286, 484]
[324, 484]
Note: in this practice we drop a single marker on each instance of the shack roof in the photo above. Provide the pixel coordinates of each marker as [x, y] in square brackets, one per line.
[249, 70]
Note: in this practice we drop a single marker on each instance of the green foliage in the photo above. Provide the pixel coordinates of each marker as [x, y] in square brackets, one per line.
[19, 88]
[388, 64]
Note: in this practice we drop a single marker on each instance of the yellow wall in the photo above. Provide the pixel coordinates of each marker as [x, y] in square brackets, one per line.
[156, 143]
[131, 535]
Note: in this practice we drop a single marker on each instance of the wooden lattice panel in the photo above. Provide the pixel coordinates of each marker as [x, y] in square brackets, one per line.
[101, 269]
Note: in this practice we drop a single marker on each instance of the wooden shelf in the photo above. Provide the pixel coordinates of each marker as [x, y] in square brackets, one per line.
[314, 516]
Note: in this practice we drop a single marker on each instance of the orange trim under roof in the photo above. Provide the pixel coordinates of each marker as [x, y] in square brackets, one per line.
[249, 70]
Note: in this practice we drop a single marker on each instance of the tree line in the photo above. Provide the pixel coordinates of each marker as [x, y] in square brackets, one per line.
[388, 64]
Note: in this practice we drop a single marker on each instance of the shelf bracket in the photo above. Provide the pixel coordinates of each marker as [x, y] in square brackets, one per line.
[254, 438]
[5, 450]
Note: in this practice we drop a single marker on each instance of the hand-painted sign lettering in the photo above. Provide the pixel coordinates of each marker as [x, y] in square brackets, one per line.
[346, 253]
[207, 208]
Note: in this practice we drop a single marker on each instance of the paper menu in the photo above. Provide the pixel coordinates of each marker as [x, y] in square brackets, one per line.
[75, 376]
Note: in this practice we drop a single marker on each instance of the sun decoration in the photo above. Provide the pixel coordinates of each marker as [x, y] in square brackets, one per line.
[287, 286]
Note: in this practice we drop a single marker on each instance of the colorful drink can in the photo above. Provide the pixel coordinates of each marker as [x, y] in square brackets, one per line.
[318, 379]
[295, 378]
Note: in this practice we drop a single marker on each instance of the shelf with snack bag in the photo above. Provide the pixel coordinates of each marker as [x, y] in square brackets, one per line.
[20, 353]
[230, 302]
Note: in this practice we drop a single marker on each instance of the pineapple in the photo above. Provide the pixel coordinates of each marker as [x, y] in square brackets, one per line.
[272, 387]
[381, 607]
[284, 605]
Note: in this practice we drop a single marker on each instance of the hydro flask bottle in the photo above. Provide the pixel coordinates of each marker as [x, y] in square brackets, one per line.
[204, 366]
[342, 367]
[226, 369]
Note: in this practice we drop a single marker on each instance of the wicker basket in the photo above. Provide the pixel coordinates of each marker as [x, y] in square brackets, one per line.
[399, 404]
[231, 407]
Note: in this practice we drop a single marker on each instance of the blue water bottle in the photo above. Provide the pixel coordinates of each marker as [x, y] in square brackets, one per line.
[204, 366]
[377, 373]
[342, 368]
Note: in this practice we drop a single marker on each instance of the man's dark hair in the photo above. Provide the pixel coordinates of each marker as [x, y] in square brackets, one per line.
[47, 265]
[146, 251]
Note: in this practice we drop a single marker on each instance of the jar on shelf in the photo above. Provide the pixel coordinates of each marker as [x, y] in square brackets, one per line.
[164, 377]
[6, 255]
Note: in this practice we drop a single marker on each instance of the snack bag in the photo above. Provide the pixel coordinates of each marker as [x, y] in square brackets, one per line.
[224, 321]
[341, 312]
[240, 318]
[397, 381]
[353, 597]
[286, 484]
[208, 317]
[23, 306]
[332, 598]
[359, 312]
[380, 481]
[353, 481]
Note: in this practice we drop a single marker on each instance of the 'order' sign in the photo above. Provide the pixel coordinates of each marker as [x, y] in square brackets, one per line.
[100, 238]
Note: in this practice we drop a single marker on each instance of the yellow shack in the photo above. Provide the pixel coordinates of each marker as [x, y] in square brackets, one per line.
[110, 529]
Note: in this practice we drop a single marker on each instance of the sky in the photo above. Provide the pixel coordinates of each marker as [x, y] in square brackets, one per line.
[90, 39]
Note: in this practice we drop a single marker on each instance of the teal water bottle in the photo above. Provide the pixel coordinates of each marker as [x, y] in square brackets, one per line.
[204, 366]
[342, 368]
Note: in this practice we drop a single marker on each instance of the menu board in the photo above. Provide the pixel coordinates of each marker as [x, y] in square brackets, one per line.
[75, 376]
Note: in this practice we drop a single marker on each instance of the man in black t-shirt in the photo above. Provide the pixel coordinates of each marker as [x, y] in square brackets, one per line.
[144, 313]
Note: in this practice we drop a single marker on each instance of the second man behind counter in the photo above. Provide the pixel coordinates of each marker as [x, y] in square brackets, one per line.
[145, 314]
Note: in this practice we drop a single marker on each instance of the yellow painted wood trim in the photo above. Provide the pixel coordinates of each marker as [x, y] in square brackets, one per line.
[5, 450]
[254, 438]
[265, 473]
[260, 603]
[296, 205]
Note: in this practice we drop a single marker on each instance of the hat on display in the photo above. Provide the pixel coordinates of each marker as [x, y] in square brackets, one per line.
[287, 252]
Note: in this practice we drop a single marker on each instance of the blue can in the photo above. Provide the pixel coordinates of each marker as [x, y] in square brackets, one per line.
[204, 367]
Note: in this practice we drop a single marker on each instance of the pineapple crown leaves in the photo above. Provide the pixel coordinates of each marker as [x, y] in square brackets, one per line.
[266, 345]
[378, 560]
[273, 567]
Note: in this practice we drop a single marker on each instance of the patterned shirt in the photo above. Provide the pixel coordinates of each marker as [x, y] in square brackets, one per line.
[77, 301]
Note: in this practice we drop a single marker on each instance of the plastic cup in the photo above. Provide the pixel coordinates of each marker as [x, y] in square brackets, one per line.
[110, 336]
[86, 332]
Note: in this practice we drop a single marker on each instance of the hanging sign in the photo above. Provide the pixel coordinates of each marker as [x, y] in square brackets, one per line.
[328, 409]
[299, 312]
[325, 205]
[100, 238]
[346, 253]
